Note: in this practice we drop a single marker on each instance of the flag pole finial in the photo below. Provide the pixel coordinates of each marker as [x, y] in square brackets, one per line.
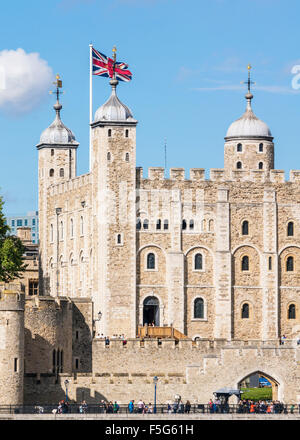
[249, 95]
[114, 82]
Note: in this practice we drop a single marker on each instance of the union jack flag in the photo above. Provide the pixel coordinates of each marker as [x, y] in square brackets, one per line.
[105, 66]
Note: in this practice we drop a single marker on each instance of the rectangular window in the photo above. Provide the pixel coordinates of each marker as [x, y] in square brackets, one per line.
[13, 223]
[76, 363]
[19, 222]
[16, 365]
[33, 287]
[25, 222]
[33, 221]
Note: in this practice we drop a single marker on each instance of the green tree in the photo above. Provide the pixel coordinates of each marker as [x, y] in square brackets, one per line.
[11, 252]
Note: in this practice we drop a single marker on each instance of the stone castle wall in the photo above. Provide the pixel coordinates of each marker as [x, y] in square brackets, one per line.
[194, 372]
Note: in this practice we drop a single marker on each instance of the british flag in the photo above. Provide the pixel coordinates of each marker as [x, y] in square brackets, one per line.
[105, 66]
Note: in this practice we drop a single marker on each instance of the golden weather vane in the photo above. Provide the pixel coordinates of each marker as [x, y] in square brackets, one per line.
[58, 84]
[248, 82]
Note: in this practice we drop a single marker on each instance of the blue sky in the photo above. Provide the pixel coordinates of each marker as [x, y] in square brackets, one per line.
[188, 58]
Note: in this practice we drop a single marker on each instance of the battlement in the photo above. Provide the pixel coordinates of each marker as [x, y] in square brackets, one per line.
[70, 185]
[158, 174]
[12, 297]
[203, 345]
[47, 302]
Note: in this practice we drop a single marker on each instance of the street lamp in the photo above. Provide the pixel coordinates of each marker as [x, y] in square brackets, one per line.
[155, 380]
[66, 385]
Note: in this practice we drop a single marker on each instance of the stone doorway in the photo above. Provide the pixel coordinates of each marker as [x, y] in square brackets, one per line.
[151, 311]
[258, 380]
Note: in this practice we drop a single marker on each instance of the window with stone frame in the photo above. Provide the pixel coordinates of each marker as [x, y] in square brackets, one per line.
[239, 165]
[290, 264]
[261, 148]
[33, 287]
[138, 224]
[198, 262]
[146, 224]
[183, 225]
[245, 227]
[260, 165]
[151, 261]
[191, 224]
[290, 229]
[245, 263]
[166, 224]
[292, 311]
[239, 148]
[158, 224]
[198, 308]
[245, 311]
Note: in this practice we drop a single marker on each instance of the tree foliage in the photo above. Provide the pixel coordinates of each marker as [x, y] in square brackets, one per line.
[11, 252]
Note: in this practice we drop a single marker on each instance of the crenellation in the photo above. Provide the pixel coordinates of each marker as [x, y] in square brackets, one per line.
[277, 176]
[156, 173]
[177, 174]
[197, 174]
[294, 175]
[217, 174]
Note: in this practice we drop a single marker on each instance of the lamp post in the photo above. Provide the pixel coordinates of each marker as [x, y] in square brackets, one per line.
[58, 211]
[155, 380]
[66, 385]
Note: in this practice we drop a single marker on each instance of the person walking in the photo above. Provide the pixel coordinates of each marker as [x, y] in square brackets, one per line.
[131, 407]
[187, 407]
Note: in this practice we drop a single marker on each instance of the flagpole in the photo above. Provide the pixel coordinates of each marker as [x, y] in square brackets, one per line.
[91, 102]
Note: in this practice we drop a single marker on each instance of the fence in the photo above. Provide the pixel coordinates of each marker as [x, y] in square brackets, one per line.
[74, 408]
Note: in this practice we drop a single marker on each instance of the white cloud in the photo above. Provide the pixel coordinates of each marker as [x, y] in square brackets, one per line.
[25, 80]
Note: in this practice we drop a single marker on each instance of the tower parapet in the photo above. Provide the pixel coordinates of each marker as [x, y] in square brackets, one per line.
[12, 301]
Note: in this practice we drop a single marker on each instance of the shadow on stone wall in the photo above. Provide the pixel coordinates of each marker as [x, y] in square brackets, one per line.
[82, 339]
[83, 393]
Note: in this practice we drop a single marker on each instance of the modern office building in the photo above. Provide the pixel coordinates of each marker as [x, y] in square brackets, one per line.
[30, 220]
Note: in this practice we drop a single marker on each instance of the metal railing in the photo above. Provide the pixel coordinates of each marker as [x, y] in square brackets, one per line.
[76, 408]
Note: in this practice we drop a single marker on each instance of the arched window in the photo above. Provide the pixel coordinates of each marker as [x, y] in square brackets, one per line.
[260, 165]
[198, 308]
[290, 229]
[290, 264]
[211, 225]
[109, 132]
[245, 228]
[53, 361]
[151, 261]
[61, 172]
[146, 224]
[292, 311]
[127, 157]
[51, 172]
[166, 224]
[183, 224]
[245, 311]
[239, 148]
[245, 262]
[138, 225]
[198, 262]
[51, 232]
[52, 152]
[261, 148]
[71, 228]
[126, 133]
[239, 165]
[270, 263]
[119, 239]
[81, 225]
[108, 156]
[158, 224]
[191, 224]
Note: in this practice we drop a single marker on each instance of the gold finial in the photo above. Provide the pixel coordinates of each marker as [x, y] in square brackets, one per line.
[249, 67]
[114, 49]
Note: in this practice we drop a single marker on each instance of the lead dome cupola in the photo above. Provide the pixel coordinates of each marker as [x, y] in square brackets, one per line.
[248, 126]
[113, 109]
